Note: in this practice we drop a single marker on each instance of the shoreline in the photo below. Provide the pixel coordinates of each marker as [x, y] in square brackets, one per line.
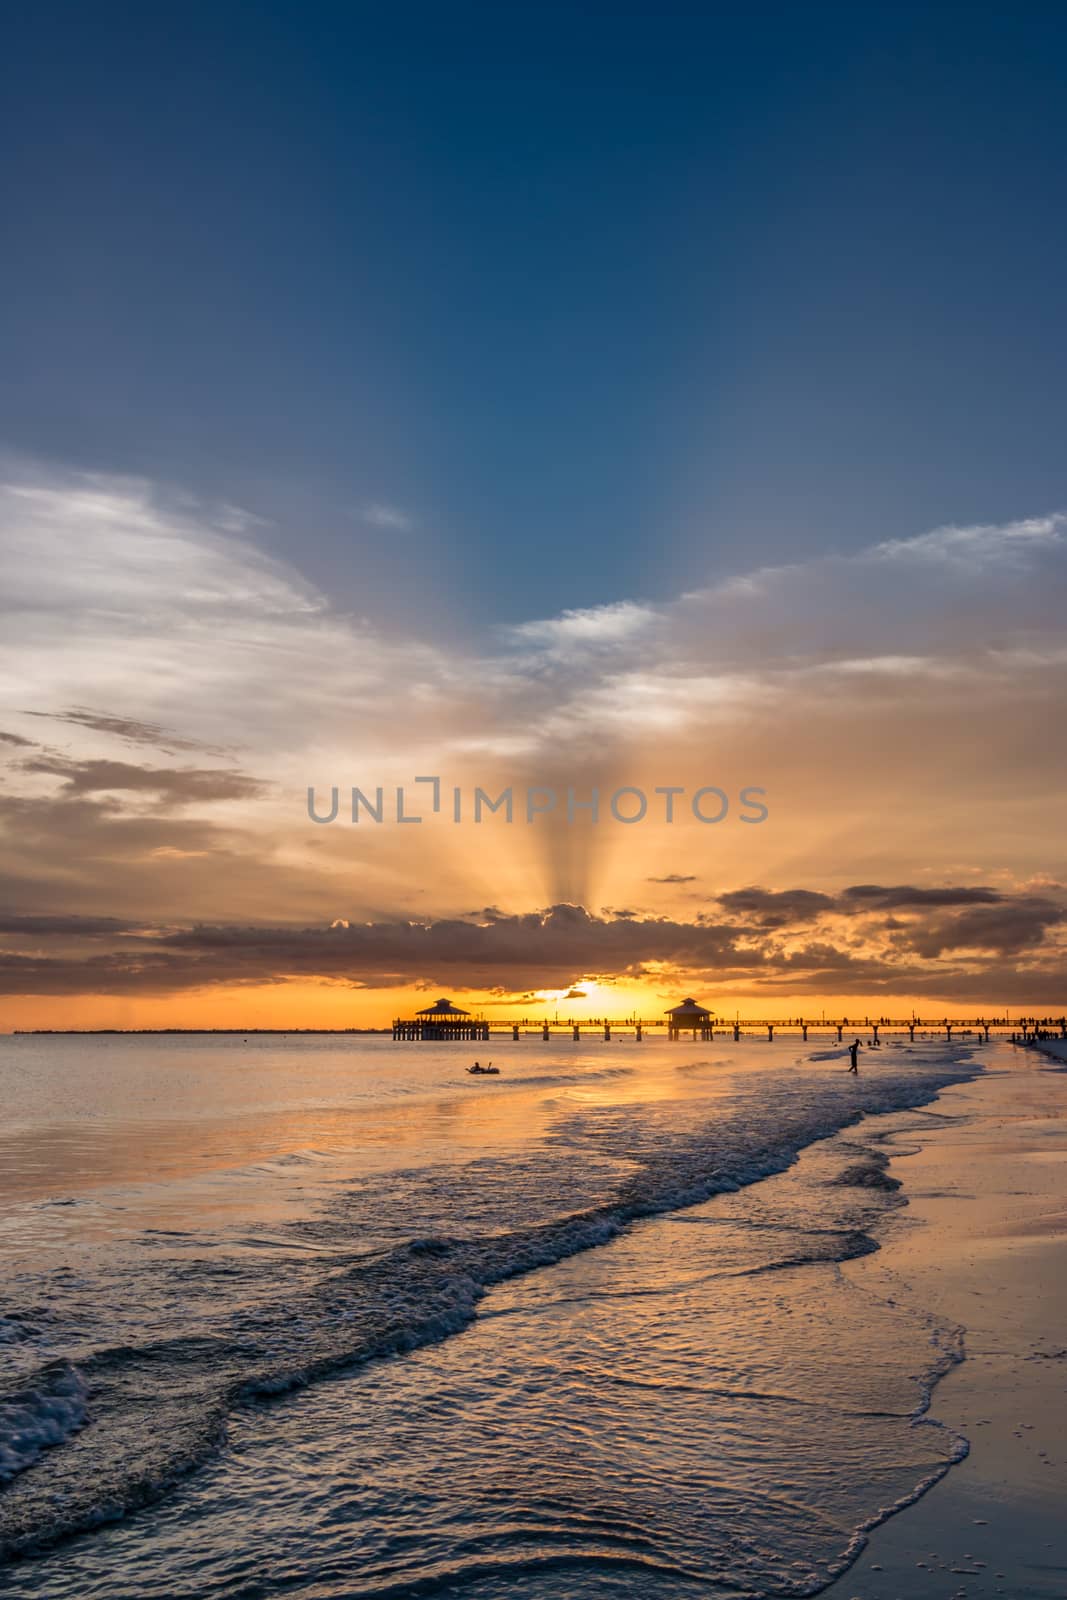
[983, 1244]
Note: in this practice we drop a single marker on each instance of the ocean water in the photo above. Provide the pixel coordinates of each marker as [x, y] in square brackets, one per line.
[326, 1317]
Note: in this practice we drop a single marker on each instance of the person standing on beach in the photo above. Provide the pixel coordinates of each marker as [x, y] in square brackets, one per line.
[854, 1051]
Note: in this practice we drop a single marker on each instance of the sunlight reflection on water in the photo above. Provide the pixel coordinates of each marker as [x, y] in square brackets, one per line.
[699, 1402]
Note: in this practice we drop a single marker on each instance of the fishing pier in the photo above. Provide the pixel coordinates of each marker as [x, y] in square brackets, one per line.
[445, 1021]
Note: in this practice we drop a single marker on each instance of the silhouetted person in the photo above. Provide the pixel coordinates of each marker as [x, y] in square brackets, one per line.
[854, 1051]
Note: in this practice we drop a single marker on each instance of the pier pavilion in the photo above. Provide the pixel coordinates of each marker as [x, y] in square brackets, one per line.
[689, 1017]
[442, 1020]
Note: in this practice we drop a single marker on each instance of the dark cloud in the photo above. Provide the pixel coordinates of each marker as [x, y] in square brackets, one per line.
[172, 786]
[777, 908]
[674, 877]
[127, 728]
[15, 739]
[873, 897]
[117, 973]
[544, 949]
[66, 852]
[1003, 929]
[781, 908]
[73, 927]
[1000, 952]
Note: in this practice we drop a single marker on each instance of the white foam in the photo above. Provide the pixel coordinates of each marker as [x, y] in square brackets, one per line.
[37, 1419]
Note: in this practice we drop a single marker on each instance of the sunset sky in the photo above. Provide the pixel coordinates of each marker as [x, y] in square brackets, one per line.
[531, 398]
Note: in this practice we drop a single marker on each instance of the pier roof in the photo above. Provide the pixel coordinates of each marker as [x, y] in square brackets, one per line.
[443, 1008]
[688, 1008]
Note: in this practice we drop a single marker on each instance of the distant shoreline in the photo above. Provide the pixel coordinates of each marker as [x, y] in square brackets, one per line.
[244, 1032]
[964, 1029]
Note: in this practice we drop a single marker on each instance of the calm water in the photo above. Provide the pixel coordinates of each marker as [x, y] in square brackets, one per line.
[327, 1317]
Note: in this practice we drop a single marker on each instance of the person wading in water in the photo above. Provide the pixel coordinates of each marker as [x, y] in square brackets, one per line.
[854, 1051]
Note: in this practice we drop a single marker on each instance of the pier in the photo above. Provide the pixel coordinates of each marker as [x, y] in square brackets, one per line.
[440, 1021]
[443, 1021]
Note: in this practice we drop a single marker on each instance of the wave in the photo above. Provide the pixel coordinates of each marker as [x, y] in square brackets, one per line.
[135, 1417]
[562, 1080]
[35, 1419]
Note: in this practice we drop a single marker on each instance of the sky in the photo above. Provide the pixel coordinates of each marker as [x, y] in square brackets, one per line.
[539, 398]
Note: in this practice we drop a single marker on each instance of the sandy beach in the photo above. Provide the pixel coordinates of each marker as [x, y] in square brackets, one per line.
[984, 1243]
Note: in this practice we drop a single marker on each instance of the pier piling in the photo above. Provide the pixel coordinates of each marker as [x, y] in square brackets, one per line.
[447, 1022]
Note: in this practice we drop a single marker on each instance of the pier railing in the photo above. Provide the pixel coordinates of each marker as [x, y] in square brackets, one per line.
[806, 1028]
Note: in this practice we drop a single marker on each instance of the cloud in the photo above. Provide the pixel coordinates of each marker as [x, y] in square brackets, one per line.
[30, 926]
[172, 786]
[66, 853]
[128, 729]
[609, 625]
[1003, 951]
[532, 950]
[233, 648]
[107, 542]
[777, 907]
[1003, 930]
[980, 545]
[887, 700]
[380, 515]
[162, 622]
[873, 896]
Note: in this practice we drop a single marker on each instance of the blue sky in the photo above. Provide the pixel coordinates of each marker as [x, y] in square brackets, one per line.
[531, 395]
[538, 307]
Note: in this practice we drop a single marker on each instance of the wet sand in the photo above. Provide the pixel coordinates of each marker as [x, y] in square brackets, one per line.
[984, 1243]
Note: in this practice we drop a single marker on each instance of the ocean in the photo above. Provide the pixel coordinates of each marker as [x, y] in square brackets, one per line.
[326, 1317]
